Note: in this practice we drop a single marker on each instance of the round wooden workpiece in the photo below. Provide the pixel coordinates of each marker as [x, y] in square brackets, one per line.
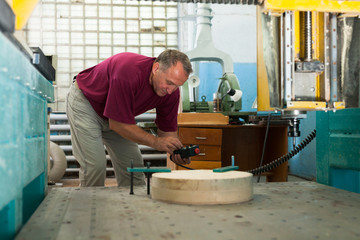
[202, 187]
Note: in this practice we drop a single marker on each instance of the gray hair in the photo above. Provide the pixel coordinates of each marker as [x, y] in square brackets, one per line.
[170, 57]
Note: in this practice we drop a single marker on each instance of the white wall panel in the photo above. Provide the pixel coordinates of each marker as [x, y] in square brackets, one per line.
[77, 24]
[77, 11]
[84, 33]
[90, 63]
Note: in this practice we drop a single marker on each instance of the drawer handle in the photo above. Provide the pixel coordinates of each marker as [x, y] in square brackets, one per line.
[201, 138]
[201, 154]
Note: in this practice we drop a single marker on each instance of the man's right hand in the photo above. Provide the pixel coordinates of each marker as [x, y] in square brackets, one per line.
[172, 143]
[167, 144]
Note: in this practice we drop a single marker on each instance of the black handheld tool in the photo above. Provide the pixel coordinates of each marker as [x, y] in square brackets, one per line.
[188, 151]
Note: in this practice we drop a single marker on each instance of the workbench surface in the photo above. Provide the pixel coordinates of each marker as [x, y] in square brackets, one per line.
[290, 210]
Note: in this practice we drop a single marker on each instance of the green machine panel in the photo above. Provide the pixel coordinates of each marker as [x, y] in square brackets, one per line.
[24, 94]
[338, 149]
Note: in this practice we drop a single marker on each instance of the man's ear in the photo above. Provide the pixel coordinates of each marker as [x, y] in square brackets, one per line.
[155, 67]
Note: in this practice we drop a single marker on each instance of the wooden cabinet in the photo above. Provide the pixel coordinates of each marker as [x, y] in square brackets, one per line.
[209, 141]
[206, 136]
[245, 142]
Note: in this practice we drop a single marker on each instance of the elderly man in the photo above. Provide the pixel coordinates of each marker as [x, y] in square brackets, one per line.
[102, 104]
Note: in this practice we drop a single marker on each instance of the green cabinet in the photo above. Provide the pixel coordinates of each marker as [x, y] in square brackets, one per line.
[338, 149]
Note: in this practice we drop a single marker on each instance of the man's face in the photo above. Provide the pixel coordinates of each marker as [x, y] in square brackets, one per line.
[167, 82]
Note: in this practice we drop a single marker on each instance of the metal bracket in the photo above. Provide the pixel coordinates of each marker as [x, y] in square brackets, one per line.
[311, 66]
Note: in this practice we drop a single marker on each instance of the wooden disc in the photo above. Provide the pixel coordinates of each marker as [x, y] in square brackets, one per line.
[202, 187]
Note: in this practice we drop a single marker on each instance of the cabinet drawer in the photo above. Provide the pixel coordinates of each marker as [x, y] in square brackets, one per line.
[208, 153]
[200, 136]
[202, 165]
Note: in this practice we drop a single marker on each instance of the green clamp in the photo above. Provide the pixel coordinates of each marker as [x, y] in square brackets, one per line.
[226, 169]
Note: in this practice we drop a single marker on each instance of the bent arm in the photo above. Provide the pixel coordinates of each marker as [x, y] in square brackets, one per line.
[167, 134]
[165, 142]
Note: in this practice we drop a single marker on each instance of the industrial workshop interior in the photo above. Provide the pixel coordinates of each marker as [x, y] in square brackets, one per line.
[261, 140]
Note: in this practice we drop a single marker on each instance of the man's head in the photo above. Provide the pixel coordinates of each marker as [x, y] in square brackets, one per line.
[170, 70]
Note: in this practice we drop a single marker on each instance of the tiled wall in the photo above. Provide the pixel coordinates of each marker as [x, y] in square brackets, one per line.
[81, 34]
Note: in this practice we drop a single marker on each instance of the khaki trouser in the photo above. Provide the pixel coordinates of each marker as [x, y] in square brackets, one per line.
[89, 134]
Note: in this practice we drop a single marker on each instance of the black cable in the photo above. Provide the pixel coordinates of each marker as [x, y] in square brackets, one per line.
[286, 157]
[180, 164]
[278, 161]
[183, 166]
[264, 146]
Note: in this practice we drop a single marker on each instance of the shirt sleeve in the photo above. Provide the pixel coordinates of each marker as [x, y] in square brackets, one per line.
[166, 113]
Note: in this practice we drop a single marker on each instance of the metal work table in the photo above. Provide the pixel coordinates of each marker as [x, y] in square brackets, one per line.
[290, 210]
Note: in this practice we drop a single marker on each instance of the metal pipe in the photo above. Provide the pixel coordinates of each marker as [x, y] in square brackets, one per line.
[58, 138]
[146, 157]
[68, 148]
[141, 117]
[78, 169]
[70, 158]
[60, 127]
[58, 116]
[154, 156]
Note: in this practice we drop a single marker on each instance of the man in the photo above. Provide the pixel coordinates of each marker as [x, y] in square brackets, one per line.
[102, 105]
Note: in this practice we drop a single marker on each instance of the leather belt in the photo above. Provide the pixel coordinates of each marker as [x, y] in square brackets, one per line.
[75, 83]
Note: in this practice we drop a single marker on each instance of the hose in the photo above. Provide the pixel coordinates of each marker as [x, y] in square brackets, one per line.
[286, 157]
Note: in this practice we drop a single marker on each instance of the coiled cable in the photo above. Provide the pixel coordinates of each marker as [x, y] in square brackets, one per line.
[286, 157]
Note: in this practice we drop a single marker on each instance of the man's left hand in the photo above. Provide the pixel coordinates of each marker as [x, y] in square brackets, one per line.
[178, 160]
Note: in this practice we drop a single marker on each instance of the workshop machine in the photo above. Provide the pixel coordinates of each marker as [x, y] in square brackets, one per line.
[308, 57]
[307, 54]
[307, 60]
[227, 98]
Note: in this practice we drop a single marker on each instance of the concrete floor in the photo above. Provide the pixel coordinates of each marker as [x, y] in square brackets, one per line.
[278, 211]
[111, 182]
[72, 182]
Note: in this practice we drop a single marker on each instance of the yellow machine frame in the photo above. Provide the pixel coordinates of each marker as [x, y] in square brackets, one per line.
[318, 9]
[312, 5]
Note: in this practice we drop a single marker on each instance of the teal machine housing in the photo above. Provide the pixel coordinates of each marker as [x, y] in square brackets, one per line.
[24, 94]
[338, 149]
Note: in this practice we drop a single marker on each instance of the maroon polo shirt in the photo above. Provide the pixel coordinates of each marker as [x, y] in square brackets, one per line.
[119, 88]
